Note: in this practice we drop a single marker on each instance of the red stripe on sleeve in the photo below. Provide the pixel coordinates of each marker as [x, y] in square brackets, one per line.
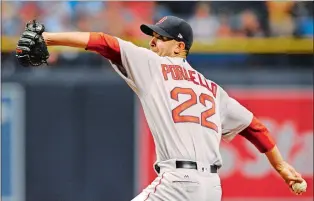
[106, 45]
[258, 135]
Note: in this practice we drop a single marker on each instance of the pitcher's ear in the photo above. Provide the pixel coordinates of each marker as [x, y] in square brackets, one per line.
[180, 46]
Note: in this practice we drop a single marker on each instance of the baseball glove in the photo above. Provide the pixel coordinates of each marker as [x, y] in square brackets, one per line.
[31, 48]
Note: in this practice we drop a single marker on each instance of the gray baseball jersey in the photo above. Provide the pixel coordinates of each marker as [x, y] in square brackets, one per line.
[186, 113]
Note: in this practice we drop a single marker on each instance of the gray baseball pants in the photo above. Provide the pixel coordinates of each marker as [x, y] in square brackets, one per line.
[181, 184]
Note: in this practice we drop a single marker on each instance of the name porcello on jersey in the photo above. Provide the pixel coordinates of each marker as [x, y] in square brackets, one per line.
[179, 73]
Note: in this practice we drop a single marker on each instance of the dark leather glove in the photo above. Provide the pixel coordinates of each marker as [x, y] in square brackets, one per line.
[31, 48]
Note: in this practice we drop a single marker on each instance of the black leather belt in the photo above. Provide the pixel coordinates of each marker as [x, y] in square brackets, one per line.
[190, 165]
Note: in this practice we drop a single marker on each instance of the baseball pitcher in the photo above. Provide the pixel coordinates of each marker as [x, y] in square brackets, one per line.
[187, 114]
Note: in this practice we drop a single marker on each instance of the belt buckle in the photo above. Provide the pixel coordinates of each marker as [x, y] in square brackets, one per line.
[186, 164]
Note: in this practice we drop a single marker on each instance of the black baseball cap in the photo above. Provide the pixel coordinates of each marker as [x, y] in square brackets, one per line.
[171, 27]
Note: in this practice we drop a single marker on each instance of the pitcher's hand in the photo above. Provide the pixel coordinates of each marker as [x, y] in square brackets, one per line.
[290, 175]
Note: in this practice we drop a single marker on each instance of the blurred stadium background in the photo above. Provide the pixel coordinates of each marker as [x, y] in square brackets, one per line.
[74, 131]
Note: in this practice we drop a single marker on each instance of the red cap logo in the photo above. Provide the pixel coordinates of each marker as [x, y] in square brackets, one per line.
[162, 20]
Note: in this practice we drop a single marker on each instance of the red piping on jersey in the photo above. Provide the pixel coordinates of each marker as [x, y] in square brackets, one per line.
[162, 176]
[258, 135]
[106, 45]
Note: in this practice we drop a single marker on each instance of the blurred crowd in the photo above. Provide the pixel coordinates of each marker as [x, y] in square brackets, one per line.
[209, 20]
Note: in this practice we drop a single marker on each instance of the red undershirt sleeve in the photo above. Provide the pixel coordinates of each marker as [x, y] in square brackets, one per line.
[106, 45]
[258, 135]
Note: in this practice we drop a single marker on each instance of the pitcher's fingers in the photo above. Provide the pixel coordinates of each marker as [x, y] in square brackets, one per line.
[298, 174]
[295, 179]
[295, 192]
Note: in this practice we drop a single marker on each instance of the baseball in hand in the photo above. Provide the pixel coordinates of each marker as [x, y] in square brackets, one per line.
[299, 187]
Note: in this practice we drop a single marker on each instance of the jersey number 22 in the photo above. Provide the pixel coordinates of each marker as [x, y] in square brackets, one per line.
[176, 112]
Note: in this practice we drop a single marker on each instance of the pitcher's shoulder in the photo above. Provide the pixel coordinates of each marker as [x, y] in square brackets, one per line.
[130, 46]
